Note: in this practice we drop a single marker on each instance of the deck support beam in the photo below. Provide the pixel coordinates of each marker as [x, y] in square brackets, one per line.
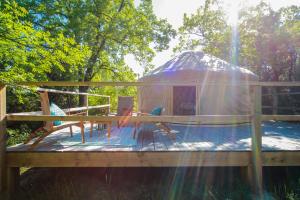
[13, 176]
[255, 167]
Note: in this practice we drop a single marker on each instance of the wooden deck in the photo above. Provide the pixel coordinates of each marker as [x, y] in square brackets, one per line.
[194, 146]
[277, 136]
[265, 144]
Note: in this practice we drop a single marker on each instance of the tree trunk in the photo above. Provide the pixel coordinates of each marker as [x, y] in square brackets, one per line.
[87, 74]
[83, 98]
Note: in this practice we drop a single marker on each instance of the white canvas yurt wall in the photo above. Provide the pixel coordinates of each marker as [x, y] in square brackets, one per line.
[200, 67]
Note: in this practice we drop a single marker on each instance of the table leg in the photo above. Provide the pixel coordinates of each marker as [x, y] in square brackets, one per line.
[91, 129]
[108, 129]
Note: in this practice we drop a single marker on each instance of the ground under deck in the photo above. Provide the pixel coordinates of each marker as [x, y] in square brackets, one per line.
[194, 146]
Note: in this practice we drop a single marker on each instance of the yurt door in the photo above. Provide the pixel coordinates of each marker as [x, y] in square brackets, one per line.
[184, 100]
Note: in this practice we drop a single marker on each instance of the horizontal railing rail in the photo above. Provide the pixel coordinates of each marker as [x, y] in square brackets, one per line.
[201, 119]
[162, 83]
[66, 110]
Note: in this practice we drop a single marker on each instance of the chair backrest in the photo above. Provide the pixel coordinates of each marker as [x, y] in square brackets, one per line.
[45, 105]
[125, 105]
[157, 111]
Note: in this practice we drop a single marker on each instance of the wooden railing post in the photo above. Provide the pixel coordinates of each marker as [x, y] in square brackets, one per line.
[255, 168]
[3, 169]
[8, 176]
[2, 137]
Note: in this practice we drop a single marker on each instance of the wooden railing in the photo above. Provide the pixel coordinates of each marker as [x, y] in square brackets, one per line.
[255, 118]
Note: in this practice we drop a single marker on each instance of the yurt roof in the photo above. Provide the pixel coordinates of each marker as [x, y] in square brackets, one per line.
[193, 64]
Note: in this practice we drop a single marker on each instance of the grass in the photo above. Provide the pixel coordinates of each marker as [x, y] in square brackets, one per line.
[152, 183]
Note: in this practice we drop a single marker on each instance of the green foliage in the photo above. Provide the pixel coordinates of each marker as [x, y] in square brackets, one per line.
[114, 92]
[268, 42]
[112, 29]
[76, 41]
[30, 54]
[17, 136]
[207, 29]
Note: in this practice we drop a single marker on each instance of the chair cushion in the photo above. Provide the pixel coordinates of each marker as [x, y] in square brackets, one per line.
[56, 111]
[156, 111]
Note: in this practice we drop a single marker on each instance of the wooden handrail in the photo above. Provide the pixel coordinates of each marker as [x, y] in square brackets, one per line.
[70, 92]
[202, 119]
[175, 83]
[68, 110]
[207, 119]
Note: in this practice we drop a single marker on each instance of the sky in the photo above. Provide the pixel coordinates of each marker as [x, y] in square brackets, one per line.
[173, 11]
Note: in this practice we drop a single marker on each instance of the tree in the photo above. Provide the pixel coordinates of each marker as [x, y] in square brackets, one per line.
[111, 29]
[206, 29]
[269, 42]
[27, 54]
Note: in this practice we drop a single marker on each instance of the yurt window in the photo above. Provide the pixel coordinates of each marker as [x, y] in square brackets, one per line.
[184, 100]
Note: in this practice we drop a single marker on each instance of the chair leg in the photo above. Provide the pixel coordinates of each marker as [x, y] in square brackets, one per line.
[134, 132]
[98, 129]
[136, 125]
[167, 129]
[108, 129]
[91, 129]
[37, 141]
[33, 135]
[71, 131]
[166, 126]
[82, 132]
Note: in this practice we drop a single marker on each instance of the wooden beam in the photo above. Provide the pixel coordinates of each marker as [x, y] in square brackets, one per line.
[126, 159]
[3, 174]
[102, 84]
[281, 158]
[278, 84]
[255, 175]
[148, 158]
[13, 180]
[162, 83]
[70, 92]
[67, 110]
[280, 117]
[201, 119]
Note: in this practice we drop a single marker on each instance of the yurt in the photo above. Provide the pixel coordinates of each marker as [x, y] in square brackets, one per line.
[203, 98]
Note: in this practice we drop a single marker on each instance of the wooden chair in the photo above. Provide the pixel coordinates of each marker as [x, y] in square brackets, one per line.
[48, 127]
[125, 109]
[160, 125]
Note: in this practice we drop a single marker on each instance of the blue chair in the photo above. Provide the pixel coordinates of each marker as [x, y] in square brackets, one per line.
[161, 125]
